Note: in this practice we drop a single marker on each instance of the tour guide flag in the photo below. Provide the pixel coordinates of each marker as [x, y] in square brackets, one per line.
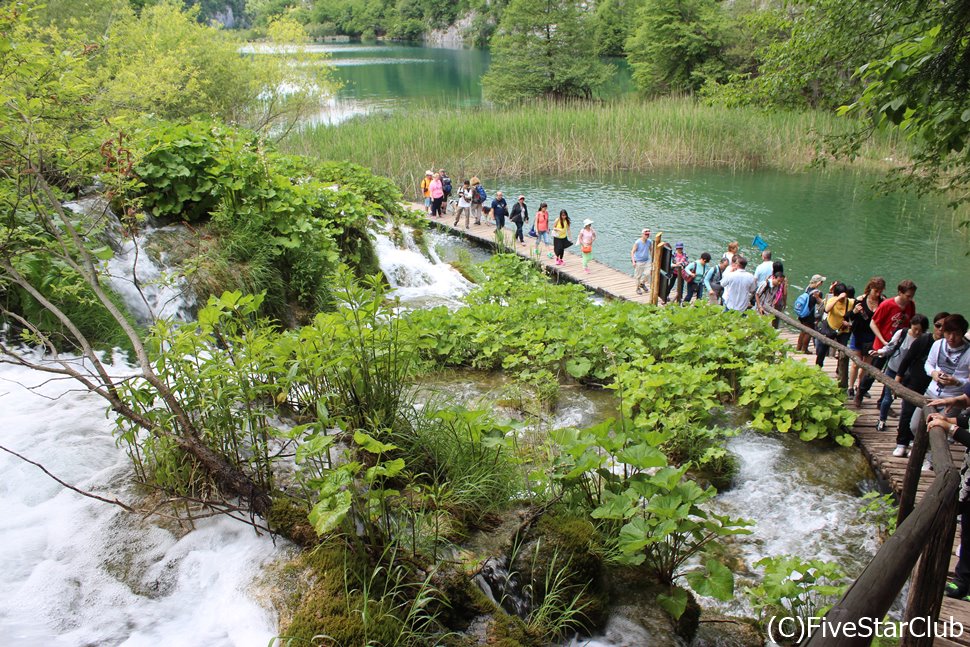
[760, 243]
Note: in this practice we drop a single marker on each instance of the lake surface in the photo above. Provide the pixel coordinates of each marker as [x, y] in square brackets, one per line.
[831, 223]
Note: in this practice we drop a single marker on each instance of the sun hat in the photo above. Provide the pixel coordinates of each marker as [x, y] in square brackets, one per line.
[817, 278]
[679, 246]
[587, 222]
[428, 173]
[646, 230]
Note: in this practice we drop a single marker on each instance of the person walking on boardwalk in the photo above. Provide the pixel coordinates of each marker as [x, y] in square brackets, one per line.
[642, 258]
[893, 352]
[446, 187]
[478, 199]
[426, 191]
[833, 324]
[891, 315]
[585, 239]
[464, 204]
[805, 306]
[765, 269]
[519, 216]
[738, 287]
[677, 265]
[955, 425]
[948, 362]
[912, 374]
[437, 195]
[862, 338]
[694, 273]
[500, 209]
[712, 281]
[560, 236]
[770, 293]
[542, 229]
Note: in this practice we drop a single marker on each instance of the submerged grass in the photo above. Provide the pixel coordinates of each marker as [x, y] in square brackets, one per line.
[546, 138]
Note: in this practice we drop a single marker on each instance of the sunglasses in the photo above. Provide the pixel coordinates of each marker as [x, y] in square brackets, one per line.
[938, 324]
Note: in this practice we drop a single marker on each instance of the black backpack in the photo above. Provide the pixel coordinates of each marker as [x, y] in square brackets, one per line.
[446, 185]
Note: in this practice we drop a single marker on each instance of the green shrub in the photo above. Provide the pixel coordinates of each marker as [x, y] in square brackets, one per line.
[793, 396]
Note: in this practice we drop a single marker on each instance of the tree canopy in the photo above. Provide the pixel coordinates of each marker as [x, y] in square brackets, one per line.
[543, 48]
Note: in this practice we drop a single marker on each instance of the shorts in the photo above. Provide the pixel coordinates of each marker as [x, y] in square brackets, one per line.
[808, 322]
[861, 345]
[427, 202]
[543, 237]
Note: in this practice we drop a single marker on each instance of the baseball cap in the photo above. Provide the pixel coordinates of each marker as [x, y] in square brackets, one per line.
[679, 246]
[817, 278]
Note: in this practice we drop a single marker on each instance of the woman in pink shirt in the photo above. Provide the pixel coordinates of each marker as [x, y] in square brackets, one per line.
[437, 192]
[542, 229]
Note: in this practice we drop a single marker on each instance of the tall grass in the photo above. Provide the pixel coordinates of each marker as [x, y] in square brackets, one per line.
[545, 138]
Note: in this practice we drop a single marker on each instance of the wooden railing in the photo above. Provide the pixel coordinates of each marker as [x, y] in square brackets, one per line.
[923, 540]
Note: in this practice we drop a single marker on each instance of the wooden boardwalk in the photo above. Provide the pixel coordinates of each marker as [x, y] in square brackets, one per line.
[601, 278]
[877, 446]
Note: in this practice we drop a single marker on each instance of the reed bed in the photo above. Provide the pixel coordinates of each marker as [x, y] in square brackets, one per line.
[551, 138]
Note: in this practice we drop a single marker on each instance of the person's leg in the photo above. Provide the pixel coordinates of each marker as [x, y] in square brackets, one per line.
[587, 257]
[962, 570]
[821, 351]
[885, 401]
[867, 380]
[638, 269]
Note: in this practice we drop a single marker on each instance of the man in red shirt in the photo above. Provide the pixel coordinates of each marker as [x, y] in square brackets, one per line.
[891, 315]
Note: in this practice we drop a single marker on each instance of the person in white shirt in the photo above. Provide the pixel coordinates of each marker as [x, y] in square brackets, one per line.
[738, 287]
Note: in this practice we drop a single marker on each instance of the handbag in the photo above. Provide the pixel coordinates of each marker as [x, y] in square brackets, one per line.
[587, 249]
[532, 232]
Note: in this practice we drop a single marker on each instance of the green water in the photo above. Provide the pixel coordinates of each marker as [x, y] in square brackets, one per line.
[828, 223]
[832, 224]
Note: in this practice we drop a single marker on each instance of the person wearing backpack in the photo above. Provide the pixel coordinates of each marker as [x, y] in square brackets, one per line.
[805, 306]
[694, 274]
[464, 204]
[426, 190]
[478, 198]
[447, 188]
[712, 281]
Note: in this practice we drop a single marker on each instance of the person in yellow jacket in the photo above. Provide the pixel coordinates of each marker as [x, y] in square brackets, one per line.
[426, 190]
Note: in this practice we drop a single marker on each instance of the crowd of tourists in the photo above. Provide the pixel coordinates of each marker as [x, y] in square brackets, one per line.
[471, 205]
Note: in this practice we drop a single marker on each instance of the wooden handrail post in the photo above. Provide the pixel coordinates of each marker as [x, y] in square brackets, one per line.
[655, 274]
[914, 468]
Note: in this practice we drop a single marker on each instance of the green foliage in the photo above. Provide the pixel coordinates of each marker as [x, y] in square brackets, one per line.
[793, 396]
[678, 46]
[651, 516]
[793, 587]
[881, 510]
[543, 49]
[615, 21]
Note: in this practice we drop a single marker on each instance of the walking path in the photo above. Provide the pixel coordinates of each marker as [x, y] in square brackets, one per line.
[877, 446]
[601, 278]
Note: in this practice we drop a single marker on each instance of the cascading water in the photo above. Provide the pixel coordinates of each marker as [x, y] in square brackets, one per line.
[419, 281]
[75, 571]
[149, 291]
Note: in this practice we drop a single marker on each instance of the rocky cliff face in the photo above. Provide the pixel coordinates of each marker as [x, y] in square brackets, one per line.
[454, 35]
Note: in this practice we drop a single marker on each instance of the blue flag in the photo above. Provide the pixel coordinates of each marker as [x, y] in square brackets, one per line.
[760, 243]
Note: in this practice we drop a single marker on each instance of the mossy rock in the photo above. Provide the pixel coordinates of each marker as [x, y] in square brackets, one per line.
[562, 541]
[324, 608]
[288, 519]
[716, 630]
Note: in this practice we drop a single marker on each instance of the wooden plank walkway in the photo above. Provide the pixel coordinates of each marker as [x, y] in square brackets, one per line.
[876, 446]
[601, 278]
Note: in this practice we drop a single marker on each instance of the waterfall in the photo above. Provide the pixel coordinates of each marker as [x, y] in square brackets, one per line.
[75, 571]
[150, 290]
[417, 280]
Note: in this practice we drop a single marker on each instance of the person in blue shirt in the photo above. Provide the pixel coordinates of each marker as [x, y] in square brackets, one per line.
[694, 274]
[764, 271]
[500, 209]
[642, 258]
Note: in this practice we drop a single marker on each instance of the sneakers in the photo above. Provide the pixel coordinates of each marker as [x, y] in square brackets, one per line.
[639, 291]
[927, 465]
[850, 393]
[955, 590]
[901, 451]
[881, 425]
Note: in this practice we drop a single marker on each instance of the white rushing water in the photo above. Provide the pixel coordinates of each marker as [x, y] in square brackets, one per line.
[149, 290]
[75, 571]
[415, 279]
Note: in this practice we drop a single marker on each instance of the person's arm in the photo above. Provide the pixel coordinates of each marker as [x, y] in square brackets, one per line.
[929, 367]
[708, 275]
[876, 317]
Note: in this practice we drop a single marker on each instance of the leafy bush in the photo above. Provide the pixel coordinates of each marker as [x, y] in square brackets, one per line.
[792, 396]
[793, 587]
